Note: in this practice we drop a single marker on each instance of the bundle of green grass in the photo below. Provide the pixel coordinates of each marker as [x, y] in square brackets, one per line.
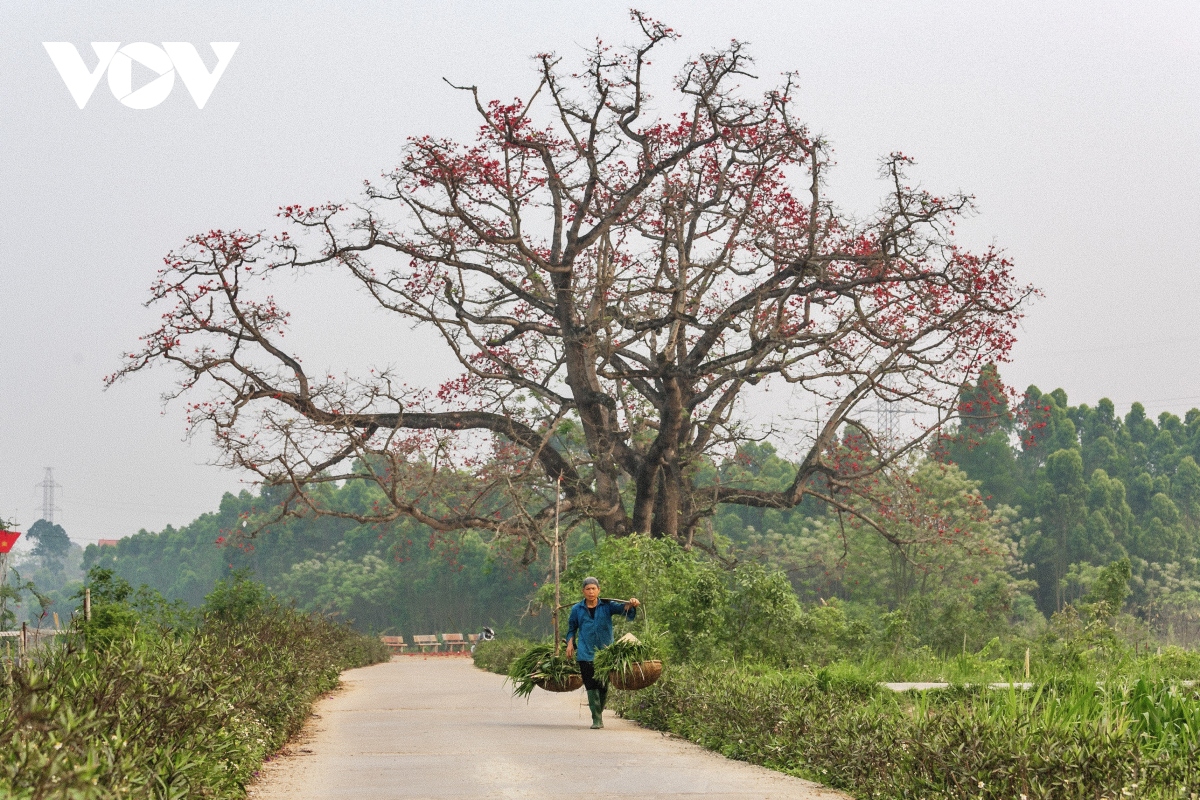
[541, 666]
[630, 663]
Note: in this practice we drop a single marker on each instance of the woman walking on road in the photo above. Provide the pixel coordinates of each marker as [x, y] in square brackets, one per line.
[591, 624]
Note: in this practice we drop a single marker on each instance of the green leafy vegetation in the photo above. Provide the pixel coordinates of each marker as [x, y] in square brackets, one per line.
[151, 699]
[497, 655]
[1063, 739]
[540, 665]
[51, 546]
[1021, 513]
[623, 655]
[13, 592]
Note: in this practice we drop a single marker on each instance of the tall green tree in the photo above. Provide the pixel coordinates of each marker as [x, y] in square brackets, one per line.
[51, 545]
[982, 445]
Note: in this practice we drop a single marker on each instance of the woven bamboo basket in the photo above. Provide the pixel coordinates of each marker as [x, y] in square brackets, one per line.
[572, 683]
[640, 675]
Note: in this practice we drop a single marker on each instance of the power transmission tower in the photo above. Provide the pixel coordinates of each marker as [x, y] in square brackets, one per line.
[48, 486]
[887, 420]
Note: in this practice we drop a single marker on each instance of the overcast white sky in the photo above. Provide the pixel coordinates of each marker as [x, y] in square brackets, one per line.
[1075, 125]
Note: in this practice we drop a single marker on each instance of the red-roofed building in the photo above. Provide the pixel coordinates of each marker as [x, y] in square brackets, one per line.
[107, 542]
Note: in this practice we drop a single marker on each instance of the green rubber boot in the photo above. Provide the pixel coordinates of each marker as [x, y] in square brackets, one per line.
[596, 708]
[603, 698]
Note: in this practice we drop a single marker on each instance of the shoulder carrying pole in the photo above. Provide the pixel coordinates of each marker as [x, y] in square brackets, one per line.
[557, 583]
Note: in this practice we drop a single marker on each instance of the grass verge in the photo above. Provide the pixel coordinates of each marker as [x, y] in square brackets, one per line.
[155, 712]
[1066, 740]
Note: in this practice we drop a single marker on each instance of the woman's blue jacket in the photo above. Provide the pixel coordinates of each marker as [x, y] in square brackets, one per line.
[594, 631]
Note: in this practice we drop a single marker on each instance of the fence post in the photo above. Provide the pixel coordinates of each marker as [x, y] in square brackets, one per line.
[1026, 663]
[87, 605]
[24, 638]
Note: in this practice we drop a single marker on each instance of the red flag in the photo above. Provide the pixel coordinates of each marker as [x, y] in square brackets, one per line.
[7, 540]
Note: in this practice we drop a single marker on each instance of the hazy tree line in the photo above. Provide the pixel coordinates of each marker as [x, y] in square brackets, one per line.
[385, 578]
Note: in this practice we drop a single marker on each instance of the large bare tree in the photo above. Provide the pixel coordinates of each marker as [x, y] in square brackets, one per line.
[611, 280]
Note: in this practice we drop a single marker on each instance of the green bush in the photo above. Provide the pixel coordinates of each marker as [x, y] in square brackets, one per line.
[235, 599]
[1068, 740]
[138, 710]
[498, 654]
[113, 617]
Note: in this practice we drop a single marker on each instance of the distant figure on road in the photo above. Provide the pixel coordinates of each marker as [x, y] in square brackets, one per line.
[591, 625]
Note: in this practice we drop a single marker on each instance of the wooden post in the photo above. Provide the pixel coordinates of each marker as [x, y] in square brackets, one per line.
[557, 582]
[57, 626]
[24, 638]
[87, 605]
[1026, 663]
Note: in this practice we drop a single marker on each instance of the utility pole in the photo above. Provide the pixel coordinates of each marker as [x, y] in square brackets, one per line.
[48, 486]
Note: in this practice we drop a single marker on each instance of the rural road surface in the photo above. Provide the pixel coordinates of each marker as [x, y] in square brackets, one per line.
[440, 728]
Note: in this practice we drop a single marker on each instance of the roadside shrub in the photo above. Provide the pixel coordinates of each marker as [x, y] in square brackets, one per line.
[119, 610]
[498, 654]
[113, 618]
[141, 711]
[1071, 740]
[235, 599]
[763, 616]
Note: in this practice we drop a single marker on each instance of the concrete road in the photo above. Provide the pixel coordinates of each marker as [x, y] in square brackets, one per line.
[439, 728]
